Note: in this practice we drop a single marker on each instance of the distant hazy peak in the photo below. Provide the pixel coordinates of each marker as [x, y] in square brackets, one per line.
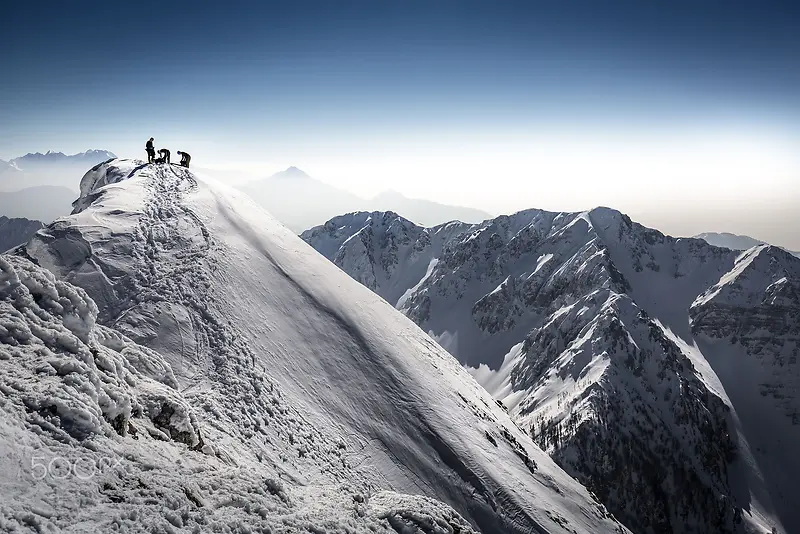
[291, 173]
[735, 241]
[729, 240]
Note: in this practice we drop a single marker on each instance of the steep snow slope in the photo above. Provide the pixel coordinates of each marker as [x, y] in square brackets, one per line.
[580, 324]
[95, 435]
[320, 398]
[16, 231]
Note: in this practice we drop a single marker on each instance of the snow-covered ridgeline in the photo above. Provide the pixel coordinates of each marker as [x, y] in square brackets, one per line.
[314, 404]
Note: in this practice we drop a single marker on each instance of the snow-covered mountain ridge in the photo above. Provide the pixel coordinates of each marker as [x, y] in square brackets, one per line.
[238, 381]
[616, 347]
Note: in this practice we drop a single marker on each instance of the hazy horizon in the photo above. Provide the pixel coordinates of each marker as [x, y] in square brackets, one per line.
[686, 117]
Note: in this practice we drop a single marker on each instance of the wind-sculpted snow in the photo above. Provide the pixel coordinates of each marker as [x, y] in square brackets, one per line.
[580, 324]
[292, 399]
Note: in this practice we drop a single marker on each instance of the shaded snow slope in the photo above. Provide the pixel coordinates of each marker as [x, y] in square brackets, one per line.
[296, 393]
[585, 325]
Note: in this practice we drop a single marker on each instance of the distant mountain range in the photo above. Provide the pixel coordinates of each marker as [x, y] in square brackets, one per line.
[300, 202]
[733, 241]
[41, 186]
[50, 168]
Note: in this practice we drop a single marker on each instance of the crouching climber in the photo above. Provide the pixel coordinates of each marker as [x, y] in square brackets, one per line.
[164, 153]
[185, 159]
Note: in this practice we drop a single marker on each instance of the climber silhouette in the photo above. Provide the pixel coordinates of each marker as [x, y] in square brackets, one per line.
[151, 151]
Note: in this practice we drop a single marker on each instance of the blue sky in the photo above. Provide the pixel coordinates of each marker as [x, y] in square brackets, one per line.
[263, 75]
[351, 91]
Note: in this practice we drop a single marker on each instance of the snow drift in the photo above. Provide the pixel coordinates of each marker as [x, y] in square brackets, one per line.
[217, 374]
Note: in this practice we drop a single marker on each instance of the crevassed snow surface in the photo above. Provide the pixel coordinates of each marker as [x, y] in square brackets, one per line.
[237, 381]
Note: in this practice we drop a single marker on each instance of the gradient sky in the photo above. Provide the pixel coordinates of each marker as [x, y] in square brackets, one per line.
[690, 107]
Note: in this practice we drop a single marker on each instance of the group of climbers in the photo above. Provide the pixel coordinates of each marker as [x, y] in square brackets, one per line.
[164, 154]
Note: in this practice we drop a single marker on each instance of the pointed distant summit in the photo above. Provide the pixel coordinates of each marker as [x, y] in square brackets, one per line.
[300, 201]
[292, 173]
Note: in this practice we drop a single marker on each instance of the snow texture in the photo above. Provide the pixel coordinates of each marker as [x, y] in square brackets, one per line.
[215, 374]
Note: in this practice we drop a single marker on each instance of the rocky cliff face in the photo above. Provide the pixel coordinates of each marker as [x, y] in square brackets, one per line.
[586, 326]
[16, 231]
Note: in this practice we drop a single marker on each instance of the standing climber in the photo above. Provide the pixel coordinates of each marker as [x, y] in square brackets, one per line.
[185, 159]
[164, 153]
[151, 151]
